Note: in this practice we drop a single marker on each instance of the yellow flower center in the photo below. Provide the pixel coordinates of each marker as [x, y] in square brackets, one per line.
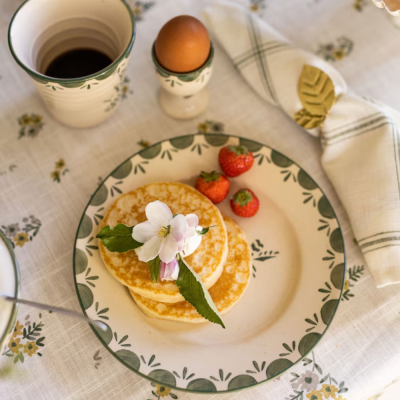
[164, 231]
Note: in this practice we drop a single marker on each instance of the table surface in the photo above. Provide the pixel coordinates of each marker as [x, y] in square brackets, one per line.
[48, 175]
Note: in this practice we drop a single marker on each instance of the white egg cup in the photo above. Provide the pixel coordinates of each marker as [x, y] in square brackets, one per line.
[184, 96]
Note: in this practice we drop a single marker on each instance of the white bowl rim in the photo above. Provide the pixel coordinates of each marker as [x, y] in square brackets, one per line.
[13, 317]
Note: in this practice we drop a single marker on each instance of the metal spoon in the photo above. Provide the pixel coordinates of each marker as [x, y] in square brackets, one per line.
[69, 313]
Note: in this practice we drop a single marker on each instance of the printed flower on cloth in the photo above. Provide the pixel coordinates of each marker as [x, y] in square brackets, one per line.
[25, 340]
[314, 395]
[30, 125]
[11, 230]
[21, 238]
[163, 391]
[329, 391]
[14, 345]
[30, 348]
[307, 381]
[17, 330]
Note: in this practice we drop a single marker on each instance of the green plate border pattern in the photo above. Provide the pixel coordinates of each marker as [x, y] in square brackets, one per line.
[258, 146]
[14, 312]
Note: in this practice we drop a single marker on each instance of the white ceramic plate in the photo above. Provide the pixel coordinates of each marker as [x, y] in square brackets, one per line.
[298, 274]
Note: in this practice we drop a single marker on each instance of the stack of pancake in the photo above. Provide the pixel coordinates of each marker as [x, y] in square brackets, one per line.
[222, 260]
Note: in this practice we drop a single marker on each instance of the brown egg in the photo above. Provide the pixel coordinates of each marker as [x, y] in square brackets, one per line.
[183, 44]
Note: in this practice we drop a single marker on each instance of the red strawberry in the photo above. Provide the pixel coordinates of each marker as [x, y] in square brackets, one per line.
[235, 160]
[213, 185]
[245, 203]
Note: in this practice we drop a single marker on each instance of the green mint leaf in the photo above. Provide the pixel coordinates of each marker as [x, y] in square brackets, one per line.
[194, 292]
[118, 239]
[155, 266]
[205, 230]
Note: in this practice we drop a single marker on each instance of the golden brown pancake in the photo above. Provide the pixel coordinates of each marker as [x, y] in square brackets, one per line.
[225, 293]
[207, 261]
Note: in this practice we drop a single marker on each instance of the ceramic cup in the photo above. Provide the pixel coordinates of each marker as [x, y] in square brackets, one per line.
[41, 30]
[9, 285]
[184, 96]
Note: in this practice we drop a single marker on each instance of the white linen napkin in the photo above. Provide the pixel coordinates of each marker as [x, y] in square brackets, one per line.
[359, 137]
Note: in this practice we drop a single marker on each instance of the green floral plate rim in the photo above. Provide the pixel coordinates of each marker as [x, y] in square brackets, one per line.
[307, 343]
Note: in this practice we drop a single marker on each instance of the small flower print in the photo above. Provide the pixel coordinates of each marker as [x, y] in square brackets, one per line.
[14, 345]
[329, 391]
[144, 144]
[25, 120]
[314, 395]
[121, 91]
[17, 330]
[359, 4]
[59, 171]
[30, 340]
[210, 127]
[346, 284]
[60, 164]
[339, 54]
[36, 119]
[307, 381]
[217, 127]
[19, 234]
[11, 230]
[55, 175]
[140, 7]
[336, 51]
[163, 391]
[21, 238]
[30, 125]
[30, 348]
[313, 383]
[257, 5]
[203, 128]
[125, 89]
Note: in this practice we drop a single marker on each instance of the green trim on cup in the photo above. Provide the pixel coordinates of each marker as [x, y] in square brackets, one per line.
[186, 77]
[75, 82]
[13, 316]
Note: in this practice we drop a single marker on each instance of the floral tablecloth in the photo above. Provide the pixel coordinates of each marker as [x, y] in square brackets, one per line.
[48, 173]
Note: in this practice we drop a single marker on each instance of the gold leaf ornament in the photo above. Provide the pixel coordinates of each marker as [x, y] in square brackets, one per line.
[317, 95]
[307, 120]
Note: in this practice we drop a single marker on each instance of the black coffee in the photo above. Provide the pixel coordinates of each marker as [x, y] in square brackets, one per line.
[77, 63]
